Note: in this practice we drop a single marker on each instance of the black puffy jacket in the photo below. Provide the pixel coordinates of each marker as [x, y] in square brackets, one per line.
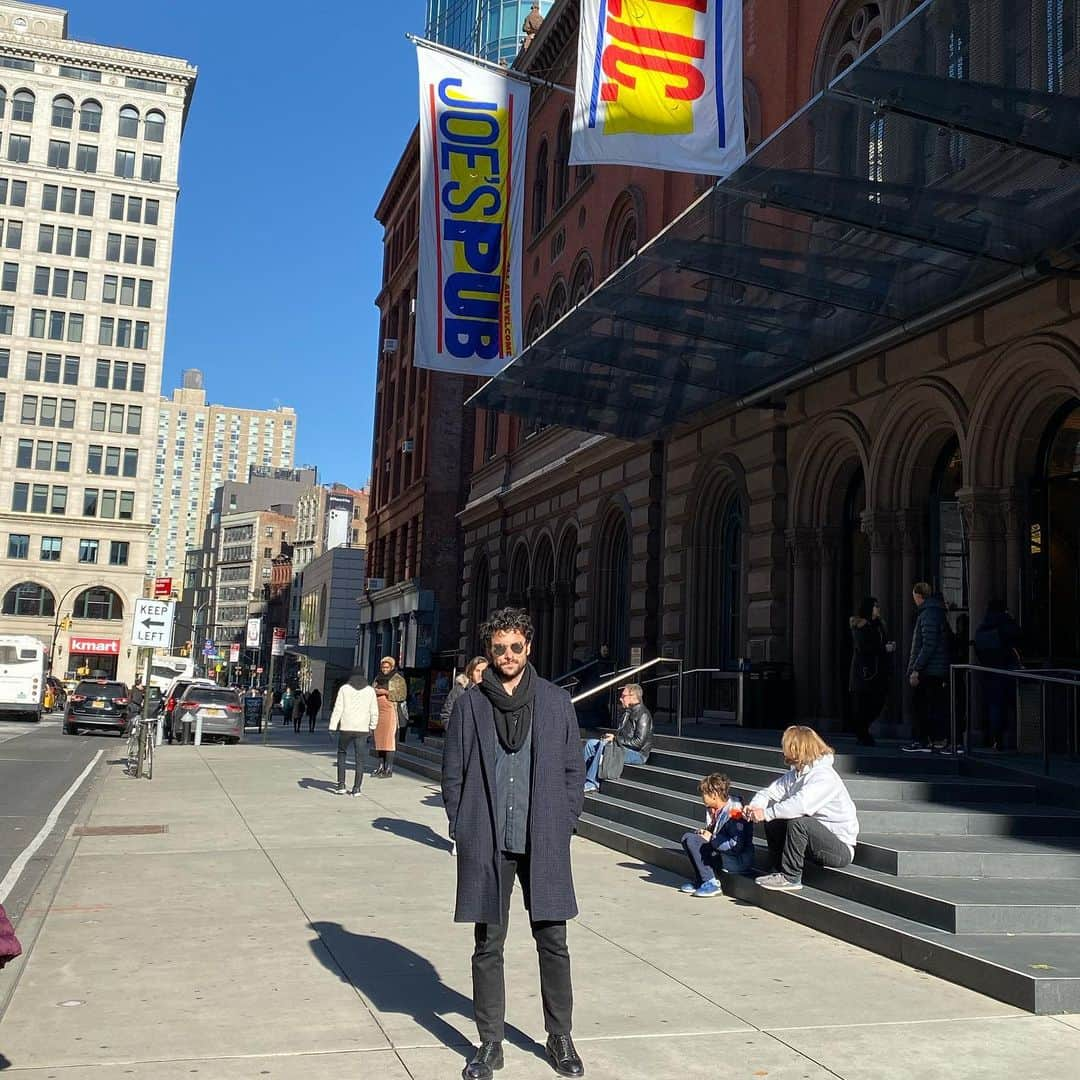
[635, 730]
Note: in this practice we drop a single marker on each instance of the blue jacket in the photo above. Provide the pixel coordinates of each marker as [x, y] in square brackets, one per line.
[730, 835]
[930, 640]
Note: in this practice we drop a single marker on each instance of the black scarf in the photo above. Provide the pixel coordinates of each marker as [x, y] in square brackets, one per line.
[513, 712]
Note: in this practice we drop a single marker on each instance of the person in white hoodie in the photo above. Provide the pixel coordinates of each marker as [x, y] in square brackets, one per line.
[807, 812]
[356, 712]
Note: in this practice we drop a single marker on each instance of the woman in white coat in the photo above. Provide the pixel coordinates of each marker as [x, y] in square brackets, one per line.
[356, 712]
[807, 812]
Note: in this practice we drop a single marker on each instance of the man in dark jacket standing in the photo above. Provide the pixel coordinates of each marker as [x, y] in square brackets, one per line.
[512, 785]
[928, 668]
[633, 737]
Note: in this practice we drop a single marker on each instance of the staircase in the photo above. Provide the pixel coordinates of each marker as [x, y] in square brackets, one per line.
[964, 869]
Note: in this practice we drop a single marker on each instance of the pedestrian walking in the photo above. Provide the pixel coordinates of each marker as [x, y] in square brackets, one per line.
[391, 691]
[512, 785]
[314, 704]
[286, 705]
[871, 666]
[928, 666]
[299, 707]
[9, 943]
[474, 672]
[354, 717]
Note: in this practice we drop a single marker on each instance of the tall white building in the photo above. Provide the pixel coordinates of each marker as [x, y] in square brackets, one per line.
[89, 156]
[199, 447]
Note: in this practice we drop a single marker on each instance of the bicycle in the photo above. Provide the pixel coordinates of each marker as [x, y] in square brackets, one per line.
[140, 747]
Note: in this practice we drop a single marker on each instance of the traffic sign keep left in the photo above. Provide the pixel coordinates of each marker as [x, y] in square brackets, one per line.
[152, 624]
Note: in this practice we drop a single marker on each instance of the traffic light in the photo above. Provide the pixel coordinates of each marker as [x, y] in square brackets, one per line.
[65, 623]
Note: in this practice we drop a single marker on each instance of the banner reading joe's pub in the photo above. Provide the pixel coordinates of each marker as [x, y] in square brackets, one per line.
[473, 126]
[660, 84]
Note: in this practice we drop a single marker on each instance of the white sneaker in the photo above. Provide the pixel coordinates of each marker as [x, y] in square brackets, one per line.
[339, 790]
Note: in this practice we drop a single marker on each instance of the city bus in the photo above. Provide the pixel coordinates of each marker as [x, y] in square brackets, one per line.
[22, 675]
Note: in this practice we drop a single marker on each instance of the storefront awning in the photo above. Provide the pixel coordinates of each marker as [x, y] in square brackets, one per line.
[926, 174]
[324, 654]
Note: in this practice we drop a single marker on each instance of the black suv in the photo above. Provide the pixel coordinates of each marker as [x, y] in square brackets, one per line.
[99, 704]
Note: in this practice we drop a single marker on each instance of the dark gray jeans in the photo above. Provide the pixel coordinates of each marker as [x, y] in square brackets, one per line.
[791, 841]
[357, 740]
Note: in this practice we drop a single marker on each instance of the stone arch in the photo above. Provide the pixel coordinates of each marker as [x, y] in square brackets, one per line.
[581, 277]
[1014, 403]
[480, 597]
[611, 572]
[627, 210]
[542, 604]
[518, 586]
[566, 552]
[557, 300]
[841, 445]
[912, 429]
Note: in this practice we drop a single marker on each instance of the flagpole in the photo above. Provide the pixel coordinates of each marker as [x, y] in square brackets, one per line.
[521, 76]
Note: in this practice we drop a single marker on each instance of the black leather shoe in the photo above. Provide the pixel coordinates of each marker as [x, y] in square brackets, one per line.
[488, 1058]
[563, 1057]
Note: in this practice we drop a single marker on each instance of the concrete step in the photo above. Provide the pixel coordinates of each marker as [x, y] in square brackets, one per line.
[746, 780]
[418, 759]
[1037, 972]
[971, 856]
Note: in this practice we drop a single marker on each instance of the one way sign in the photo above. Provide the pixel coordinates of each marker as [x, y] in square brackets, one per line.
[152, 624]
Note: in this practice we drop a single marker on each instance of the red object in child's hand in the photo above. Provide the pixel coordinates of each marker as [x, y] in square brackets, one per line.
[735, 814]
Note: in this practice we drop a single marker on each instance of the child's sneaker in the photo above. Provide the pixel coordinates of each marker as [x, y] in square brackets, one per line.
[710, 888]
[688, 888]
[779, 883]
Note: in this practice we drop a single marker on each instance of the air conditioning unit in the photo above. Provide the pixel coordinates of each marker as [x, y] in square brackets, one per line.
[374, 584]
[389, 345]
[408, 446]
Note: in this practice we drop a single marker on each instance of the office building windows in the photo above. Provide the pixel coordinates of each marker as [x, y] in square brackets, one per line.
[18, 148]
[12, 192]
[18, 545]
[50, 548]
[86, 158]
[88, 551]
[118, 553]
[125, 164]
[59, 154]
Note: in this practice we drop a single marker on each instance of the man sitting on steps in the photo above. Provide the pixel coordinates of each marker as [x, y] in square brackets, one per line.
[633, 737]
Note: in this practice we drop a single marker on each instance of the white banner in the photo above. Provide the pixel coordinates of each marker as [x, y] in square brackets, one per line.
[659, 84]
[473, 127]
[254, 633]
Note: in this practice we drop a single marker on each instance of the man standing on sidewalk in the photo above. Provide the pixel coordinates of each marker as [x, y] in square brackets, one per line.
[512, 785]
[356, 712]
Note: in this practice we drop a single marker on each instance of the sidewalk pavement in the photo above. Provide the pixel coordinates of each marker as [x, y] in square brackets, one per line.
[277, 930]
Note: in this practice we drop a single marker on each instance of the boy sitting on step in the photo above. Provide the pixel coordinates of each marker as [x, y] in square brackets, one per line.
[726, 843]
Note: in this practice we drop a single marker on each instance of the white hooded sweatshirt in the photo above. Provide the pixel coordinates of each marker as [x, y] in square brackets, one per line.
[355, 710]
[814, 791]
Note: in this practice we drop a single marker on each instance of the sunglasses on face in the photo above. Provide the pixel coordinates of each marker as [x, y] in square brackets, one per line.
[516, 647]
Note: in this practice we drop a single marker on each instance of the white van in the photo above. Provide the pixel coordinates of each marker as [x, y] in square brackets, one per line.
[22, 675]
[165, 669]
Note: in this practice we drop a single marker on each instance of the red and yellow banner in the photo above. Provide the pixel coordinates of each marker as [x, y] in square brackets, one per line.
[473, 125]
[660, 84]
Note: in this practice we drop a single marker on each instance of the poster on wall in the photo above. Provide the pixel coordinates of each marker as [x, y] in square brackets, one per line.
[473, 127]
[659, 84]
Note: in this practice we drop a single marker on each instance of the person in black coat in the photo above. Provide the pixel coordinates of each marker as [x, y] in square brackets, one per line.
[997, 645]
[512, 786]
[871, 666]
[314, 704]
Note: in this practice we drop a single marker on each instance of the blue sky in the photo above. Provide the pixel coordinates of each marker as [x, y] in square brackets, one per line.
[296, 125]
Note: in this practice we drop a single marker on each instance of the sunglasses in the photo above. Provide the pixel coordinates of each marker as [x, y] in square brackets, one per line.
[516, 647]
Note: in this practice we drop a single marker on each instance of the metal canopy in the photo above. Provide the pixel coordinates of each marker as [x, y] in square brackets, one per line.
[940, 164]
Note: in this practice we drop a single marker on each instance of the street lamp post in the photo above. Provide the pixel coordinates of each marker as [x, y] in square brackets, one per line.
[56, 619]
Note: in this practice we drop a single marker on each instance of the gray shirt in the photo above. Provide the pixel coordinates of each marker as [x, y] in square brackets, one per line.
[513, 775]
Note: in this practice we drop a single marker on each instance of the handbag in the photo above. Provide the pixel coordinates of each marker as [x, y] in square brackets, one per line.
[402, 714]
[612, 761]
[9, 943]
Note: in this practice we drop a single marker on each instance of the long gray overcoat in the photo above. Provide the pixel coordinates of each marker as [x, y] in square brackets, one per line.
[555, 802]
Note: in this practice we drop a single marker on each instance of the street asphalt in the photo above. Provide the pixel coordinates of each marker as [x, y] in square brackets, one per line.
[38, 764]
[238, 920]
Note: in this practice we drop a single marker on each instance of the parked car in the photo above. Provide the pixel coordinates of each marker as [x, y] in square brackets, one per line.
[220, 710]
[98, 704]
[175, 691]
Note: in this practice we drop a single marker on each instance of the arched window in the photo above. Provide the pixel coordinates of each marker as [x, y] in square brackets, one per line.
[582, 284]
[63, 112]
[154, 127]
[557, 304]
[613, 588]
[29, 598]
[98, 603]
[539, 215]
[3, 102]
[560, 187]
[128, 128]
[622, 237]
[22, 106]
[90, 116]
[481, 586]
[519, 578]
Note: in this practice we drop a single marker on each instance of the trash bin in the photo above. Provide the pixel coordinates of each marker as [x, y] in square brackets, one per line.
[768, 695]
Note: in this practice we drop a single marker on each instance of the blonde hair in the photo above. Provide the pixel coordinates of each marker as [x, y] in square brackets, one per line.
[803, 746]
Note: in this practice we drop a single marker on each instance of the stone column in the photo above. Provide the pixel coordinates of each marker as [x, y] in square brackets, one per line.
[880, 527]
[828, 541]
[801, 544]
[1014, 520]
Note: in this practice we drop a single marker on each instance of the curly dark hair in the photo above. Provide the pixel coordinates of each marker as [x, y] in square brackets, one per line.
[506, 619]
